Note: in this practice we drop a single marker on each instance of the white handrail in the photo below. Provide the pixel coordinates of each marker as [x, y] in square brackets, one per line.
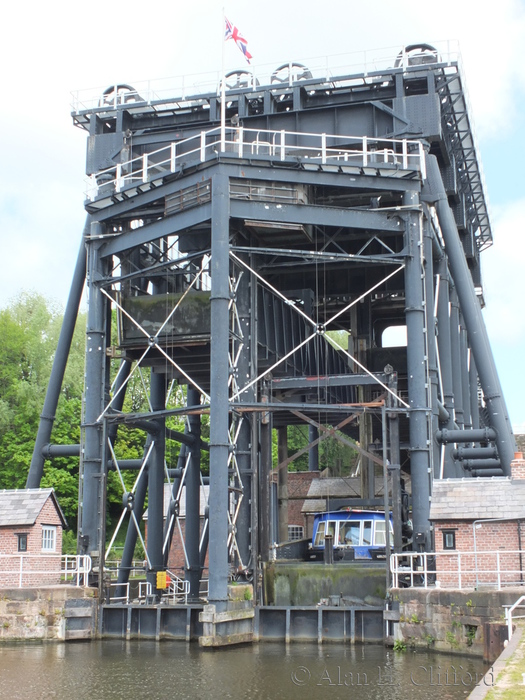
[455, 569]
[303, 146]
[508, 613]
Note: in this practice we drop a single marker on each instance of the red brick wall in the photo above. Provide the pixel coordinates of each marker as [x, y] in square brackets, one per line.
[176, 560]
[34, 560]
[494, 540]
[517, 467]
[298, 486]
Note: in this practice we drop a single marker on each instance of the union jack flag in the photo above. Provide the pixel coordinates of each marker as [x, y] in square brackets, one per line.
[233, 33]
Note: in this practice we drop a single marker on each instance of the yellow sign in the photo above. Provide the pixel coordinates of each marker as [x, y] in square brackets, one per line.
[161, 580]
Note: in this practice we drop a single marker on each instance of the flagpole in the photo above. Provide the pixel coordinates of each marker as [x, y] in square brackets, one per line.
[223, 88]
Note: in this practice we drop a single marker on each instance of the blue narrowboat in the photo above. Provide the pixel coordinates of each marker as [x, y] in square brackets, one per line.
[356, 534]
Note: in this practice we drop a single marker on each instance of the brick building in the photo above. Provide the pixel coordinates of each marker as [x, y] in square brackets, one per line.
[479, 526]
[31, 525]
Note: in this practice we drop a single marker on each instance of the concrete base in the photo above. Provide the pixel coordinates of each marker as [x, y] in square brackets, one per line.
[232, 625]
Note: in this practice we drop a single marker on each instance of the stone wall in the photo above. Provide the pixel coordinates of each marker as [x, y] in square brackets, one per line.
[47, 613]
[295, 583]
[453, 621]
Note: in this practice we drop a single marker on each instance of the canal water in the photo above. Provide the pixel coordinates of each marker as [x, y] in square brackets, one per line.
[268, 671]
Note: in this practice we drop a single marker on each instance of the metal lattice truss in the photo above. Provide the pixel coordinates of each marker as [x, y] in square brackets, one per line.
[154, 341]
[128, 498]
[317, 329]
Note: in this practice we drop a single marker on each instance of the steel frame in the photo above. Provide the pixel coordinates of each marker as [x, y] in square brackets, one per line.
[227, 268]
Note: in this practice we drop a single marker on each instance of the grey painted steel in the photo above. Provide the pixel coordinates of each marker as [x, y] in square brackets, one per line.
[244, 449]
[219, 406]
[265, 467]
[481, 435]
[478, 336]
[457, 366]
[282, 481]
[465, 374]
[313, 452]
[51, 451]
[47, 416]
[394, 467]
[131, 533]
[475, 453]
[156, 484]
[419, 415]
[192, 482]
[445, 359]
[428, 261]
[482, 463]
[95, 391]
[474, 399]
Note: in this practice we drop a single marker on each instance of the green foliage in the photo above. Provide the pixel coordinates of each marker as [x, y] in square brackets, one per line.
[451, 639]
[29, 328]
[399, 645]
[470, 633]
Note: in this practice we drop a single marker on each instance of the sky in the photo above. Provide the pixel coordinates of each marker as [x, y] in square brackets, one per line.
[49, 50]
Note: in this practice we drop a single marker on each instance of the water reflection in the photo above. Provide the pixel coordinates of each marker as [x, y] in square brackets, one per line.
[118, 669]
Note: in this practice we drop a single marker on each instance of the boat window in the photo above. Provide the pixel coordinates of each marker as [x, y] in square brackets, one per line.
[367, 532]
[379, 533]
[349, 533]
[319, 536]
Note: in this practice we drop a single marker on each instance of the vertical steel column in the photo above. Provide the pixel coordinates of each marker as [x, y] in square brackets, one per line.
[244, 446]
[465, 377]
[471, 310]
[474, 400]
[193, 484]
[282, 454]
[431, 341]
[417, 377]
[313, 452]
[91, 504]
[445, 361]
[156, 482]
[455, 345]
[395, 463]
[265, 468]
[219, 404]
[54, 386]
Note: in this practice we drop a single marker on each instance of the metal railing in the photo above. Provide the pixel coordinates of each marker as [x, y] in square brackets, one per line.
[30, 570]
[509, 609]
[382, 155]
[183, 90]
[494, 569]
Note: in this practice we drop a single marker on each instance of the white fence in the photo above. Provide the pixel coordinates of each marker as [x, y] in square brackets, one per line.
[383, 155]
[31, 570]
[459, 570]
[177, 591]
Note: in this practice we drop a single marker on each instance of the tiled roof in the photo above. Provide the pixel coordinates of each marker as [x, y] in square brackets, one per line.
[22, 506]
[476, 499]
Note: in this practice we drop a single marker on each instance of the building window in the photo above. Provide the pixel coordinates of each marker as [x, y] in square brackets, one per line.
[449, 539]
[49, 538]
[22, 541]
[295, 532]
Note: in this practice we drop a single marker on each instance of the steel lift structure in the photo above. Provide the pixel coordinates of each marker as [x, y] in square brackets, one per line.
[217, 263]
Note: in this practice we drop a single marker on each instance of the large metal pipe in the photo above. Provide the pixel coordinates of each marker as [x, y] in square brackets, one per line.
[480, 435]
[47, 418]
[420, 463]
[471, 310]
[475, 453]
[481, 464]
